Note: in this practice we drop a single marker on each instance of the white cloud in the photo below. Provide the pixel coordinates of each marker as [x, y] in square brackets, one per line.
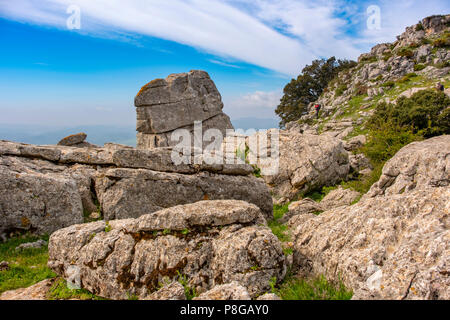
[210, 25]
[224, 64]
[258, 104]
[281, 35]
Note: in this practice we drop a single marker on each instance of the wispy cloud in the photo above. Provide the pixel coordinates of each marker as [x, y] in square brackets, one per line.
[224, 64]
[280, 35]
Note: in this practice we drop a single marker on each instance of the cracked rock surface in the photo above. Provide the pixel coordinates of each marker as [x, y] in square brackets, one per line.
[46, 188]
[207, 243]
[395, 242]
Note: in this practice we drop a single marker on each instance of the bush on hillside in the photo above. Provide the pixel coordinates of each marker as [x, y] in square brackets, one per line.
[308, 87]
[426, 113]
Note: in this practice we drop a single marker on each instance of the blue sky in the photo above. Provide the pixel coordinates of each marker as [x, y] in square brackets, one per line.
[53, 76]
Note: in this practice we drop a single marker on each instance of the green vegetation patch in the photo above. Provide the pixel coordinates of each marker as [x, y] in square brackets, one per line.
[26, 267]
[294, 288]
[60, 291]
[279, 229]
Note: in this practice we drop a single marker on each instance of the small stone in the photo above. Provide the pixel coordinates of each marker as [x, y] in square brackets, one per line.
[4, 266]
[31, 245]
[269, 296]
[73, 139]
[95, 215]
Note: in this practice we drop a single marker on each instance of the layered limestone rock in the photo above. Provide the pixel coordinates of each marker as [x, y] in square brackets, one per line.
[165, 105]
[46, 188]
[307, 162]
[395, 242]
[205, 244]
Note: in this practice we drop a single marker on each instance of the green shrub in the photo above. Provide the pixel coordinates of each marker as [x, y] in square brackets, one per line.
[407, 77]
[279, 229]
[369, 59]
[388, 84]
[361, 89]
[60, 291]
[419, 27]
[340, 90]
[419, 67]
[405, 52]
[443, 41]
[387, 56]
[319, 288]
[444, 64]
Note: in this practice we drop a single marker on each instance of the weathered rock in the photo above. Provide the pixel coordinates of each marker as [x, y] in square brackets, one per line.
[4, 265]
[308, 162]
[38, 200]
[229, 291]
[73, 139]
[173, 291]
[128, 193]
[31, 245]
[268, 296]
[394, 243]
[35, 292]
[339, 197]
[355, 143]
[359, 162]
[119, 182]
[304, 206]
[209, 243]
[165, 105]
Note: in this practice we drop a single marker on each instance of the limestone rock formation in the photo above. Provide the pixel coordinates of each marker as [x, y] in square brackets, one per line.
[165, 105]
[208, 243]
[308, 162]
[394, 243]
[46, 188]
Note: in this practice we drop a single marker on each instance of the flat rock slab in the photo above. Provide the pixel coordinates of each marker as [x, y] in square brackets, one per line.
[207, 243]
[38, 291]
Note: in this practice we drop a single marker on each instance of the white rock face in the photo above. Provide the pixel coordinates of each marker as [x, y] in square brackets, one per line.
[208, 243]
[394, 243]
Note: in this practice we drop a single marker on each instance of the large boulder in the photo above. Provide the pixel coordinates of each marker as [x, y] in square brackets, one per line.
[165, 105]
[39, 201]
[394, 243]
[204, 244]
[308, 162]
[46, 188]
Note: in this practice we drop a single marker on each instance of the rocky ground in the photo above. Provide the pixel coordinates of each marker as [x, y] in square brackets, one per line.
[127, 223]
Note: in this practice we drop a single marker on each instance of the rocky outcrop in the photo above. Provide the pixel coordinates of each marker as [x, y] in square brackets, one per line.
[205, 244]
[165, 105]
[394, 243]
[46, 188]
[307, 162]
[76, 140]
